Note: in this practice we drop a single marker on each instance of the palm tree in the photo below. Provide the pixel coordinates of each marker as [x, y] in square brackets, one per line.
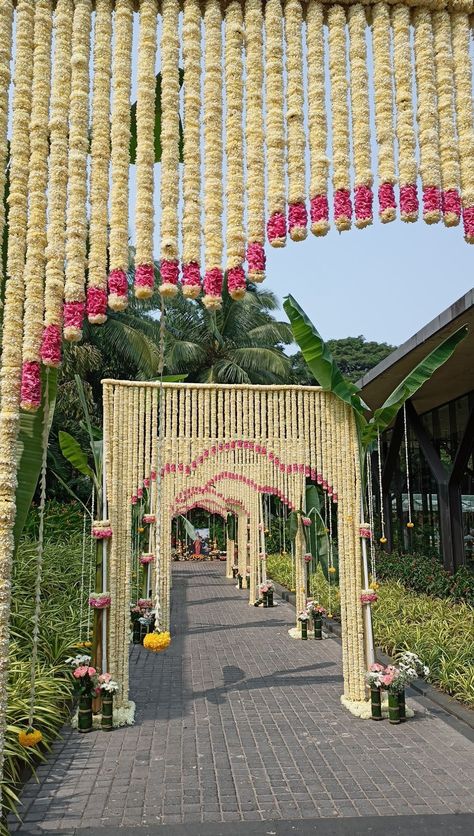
[241, 343]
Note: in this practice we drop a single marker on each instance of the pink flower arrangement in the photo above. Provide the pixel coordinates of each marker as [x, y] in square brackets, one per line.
[100, 600]
[365, 531]
[368, 596]
[306, 521]
[145, 603]
[149, 518]
[83, 670]
[146, 558]
[101, 529]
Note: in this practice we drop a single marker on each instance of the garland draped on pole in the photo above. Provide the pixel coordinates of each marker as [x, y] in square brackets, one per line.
[223, 449]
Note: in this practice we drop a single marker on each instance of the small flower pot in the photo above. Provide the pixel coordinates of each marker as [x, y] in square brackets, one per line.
[393, 708]
[240, 581]
[376, 703]
[304, 630]
[270, 597]
[84, 714]
[318, 628]
[107, 722]
[265, 599]
[402, 708]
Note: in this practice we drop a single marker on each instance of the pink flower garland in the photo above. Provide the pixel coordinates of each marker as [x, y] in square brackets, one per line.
[276, 229]
[100, 601]
[431, 204]
[363, 206]
[73, 320]
[30, 386]
[144, 281]
[146, 558]
[191, 280]
[342, 209]
[213, 280]
[297, 221]
[387, 203]
[368, 597]
[118, 290]
[468, 220]
[365, 532]
[451, 205]
[319, 213]
[51, 346]
[409, 203]
[236, 283]
[101, 533]
[169, 272]
[149, 518]
[256, 262]
[96, 305]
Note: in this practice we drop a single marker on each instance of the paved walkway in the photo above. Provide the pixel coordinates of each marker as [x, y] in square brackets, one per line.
[237, 722]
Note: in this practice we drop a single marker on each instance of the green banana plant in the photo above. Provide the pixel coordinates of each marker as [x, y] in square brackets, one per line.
[189, 528]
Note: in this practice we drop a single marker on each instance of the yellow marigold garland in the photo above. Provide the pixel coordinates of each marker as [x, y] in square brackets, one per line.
[403, 72]
[448, 146]
[100, 161]
[37, 185]
[120, 155]
[234, 149]
[76, 218]
[191, 225]
[6, 19]
[255, 141]
[319, 163]
[169, 264]
[296, 140]
[29, 738]
[57, 185]
[275, 124]
[461, 38]
[340, 118]
[428, 137]
[213, 197]
[144, 209]
[383, 96]
[360, 116]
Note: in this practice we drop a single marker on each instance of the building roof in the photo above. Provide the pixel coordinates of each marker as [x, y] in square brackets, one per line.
[451, 381]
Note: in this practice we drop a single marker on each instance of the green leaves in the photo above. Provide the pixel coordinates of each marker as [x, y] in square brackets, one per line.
[319, 358]
[157, 132]
[189, 528]
[73, 452]
[384, 416]
[292, 525]
[30, 451]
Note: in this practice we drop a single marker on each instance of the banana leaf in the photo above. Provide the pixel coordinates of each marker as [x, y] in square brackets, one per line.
[319, 358]
[292, 525]
[73, 452]
[383, 417]
[30, 451]
[189, 528]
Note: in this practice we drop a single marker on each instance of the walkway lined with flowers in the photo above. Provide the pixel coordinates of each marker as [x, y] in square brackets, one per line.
[236, 721]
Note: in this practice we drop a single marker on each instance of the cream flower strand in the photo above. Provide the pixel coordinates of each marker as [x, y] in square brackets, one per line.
[37, 186]
[120, 155]
[255, 182]
[169, 265]
[191, 224]
[275, 124]
[234, 149]
[428, 137]
[463, 100]
[100, 161]
[403, 72]
[319, 163]
[340, 118]
[213, 201]
[145, 161]
[57, 185]
[297, 214]
[360, 116]
[6, 19]
[448, 146]
[76, 217]
[383, 96]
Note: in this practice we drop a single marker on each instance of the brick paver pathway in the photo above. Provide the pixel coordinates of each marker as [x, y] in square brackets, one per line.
[236, 721]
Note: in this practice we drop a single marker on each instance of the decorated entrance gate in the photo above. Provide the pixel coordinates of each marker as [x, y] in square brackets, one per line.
[222, 447]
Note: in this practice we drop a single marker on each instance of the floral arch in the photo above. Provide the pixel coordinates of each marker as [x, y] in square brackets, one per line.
[224, 447]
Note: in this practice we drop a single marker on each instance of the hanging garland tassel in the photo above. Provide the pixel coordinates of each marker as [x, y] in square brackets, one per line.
[275, 124]
[428, 135]
[169, 265]
[191, 227]
[100, 160]
[255, 141]
[144, 212]
[360, 116]
[340, 118]
[213, 203]
[461, 39]
[37, 184]
[297, 214]
[319, 163]
[76, 221]
[383, 96]
[402, 63]
[234, 150]
[120, 155]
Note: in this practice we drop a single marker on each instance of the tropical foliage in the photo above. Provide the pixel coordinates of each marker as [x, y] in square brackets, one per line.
[355, 356]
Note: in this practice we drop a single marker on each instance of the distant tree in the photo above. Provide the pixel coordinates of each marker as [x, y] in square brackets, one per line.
[355, 356]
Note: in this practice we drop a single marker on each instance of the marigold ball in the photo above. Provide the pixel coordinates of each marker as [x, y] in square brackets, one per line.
[383, 540]
[410, 525]
[332, 570]
[29, 738]
[141, 530]
[157, 642]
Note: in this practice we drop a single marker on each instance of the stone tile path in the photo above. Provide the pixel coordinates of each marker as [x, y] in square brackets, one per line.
[235, 722]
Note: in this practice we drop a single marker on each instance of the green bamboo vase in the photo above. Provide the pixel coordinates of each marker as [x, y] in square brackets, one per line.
[318, 628]
[107, 722]
[84, 714]
[304, 630]
[376, 703]
[393, 708]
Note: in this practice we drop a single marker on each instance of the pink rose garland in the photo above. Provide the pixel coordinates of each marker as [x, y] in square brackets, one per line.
[169, 271]
[409, 203]
[118, 290]
[256, 262]
[96, 305]
[144, 281]
[191, 280]
[297, 221]
[30, 386]
[276, 229]
[51, 346]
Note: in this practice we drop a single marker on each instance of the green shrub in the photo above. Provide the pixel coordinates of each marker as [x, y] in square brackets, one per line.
[426, 574]
[438, 630]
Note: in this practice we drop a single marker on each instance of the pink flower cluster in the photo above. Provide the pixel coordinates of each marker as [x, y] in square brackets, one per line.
[144, 280]
[365, 532]
[96, 305]
[363, 204]
[100, 601]
[118, 287]
[104, 678]
[368, 597]
[191, 275]
[149, 518]
[236, 283]
[319, 213]
[101, 533]
[213, 280]
[297, 220]
[387, 202]
[146, 558]
[306, 521]
[409, 202]
[30, 386]
[276, 229]
[145, 603]
[51, 346]
[256, 259]
[83, 670]
[342, 205]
